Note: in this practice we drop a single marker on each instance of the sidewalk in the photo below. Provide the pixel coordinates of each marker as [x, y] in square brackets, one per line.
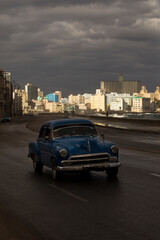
[128, 126]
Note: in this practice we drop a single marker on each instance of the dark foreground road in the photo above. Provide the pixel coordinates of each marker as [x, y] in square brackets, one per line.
[35, 207]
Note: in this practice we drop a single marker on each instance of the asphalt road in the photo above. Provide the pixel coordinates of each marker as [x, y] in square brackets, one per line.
[78, 207]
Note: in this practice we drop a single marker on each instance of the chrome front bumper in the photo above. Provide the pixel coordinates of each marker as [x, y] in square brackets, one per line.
[91, 166]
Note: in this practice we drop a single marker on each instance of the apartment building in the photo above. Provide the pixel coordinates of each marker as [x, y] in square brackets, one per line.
[118, 105]
[19, 101]
[54, 106]
[76, 99]
[140, 104]
[98, 102]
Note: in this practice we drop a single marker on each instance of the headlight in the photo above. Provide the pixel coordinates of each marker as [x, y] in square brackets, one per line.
[114, 149]
[63, 153]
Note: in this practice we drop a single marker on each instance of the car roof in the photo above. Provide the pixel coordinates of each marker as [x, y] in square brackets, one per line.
[67, 121]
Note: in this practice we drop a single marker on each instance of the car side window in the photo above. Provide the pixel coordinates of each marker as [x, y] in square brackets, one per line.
[48, 133]
[42, 133]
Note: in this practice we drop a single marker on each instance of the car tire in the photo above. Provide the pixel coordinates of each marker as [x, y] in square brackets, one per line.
[112, 172]
[56, 175]
[37, 165]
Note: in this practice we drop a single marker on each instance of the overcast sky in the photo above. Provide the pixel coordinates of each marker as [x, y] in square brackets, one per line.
[72, 45]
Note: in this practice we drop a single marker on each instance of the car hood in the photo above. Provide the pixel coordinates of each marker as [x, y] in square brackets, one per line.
[77, 145]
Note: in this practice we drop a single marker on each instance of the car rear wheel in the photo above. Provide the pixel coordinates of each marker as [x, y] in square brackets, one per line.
[112, 172]
[37, 165]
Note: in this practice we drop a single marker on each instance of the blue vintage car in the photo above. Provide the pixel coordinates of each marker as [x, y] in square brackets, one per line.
[73, 145]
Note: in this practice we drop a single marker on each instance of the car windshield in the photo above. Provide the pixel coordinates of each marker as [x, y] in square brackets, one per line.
[74, 130]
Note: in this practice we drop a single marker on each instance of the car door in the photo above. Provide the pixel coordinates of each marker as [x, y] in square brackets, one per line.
[47, 144]
[44, 143]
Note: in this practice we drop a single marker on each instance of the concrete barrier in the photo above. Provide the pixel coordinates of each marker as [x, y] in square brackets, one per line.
[149, 122]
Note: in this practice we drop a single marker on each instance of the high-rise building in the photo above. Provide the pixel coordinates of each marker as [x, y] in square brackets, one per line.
[120, 86]
[6, 89]
[53, 97]
[40, 93]
[32, 92]
[59, 93]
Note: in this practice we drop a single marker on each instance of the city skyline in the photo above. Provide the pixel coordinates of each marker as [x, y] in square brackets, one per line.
[73, 45]
[53, 91]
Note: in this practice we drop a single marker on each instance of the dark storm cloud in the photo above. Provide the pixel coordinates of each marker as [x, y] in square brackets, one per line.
[73, 45]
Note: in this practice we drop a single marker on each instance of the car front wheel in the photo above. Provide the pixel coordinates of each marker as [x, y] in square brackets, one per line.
[112, 172]
[56, 175]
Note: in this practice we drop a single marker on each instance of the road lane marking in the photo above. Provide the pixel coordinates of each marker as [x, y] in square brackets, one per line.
[69, 193]
[155, 174]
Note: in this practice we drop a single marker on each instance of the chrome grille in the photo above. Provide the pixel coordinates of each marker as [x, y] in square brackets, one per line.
[86, 159]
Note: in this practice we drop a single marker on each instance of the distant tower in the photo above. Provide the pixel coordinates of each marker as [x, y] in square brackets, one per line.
[157, 90]
[143, 89]
[121, 77]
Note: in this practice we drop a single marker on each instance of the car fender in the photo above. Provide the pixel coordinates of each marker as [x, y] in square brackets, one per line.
[34, 149]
